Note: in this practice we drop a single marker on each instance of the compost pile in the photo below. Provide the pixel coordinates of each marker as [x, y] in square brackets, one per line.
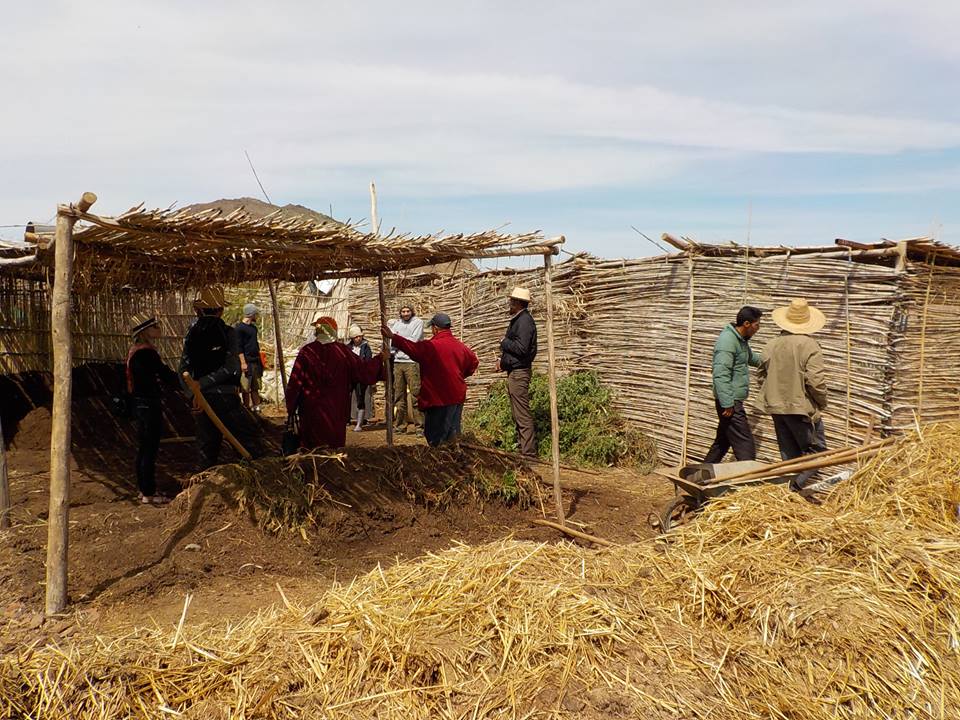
[765, 607]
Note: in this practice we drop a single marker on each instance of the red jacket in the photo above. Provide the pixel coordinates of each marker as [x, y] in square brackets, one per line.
[444, 363]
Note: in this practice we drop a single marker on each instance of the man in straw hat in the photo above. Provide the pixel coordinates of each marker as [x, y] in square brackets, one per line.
[518, 350]
[445, 363]
[732, 358]
[211, 354]
[146, 375]
[794, 389]
[406, 371]
[323, 376]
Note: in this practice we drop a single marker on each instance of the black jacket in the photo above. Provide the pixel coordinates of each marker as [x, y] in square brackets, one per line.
[211, 354]
[519, 347]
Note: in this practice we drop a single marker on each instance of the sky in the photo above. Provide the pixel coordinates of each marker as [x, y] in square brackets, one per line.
[774, 122]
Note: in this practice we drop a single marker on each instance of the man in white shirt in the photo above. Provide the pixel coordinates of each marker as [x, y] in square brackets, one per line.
[406, 372]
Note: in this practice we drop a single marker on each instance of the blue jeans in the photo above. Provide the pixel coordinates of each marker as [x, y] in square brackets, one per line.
[441, 424]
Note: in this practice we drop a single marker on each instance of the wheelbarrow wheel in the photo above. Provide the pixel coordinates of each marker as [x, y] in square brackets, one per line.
[676, 512]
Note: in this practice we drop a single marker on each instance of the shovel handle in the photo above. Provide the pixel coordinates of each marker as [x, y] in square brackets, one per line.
[205, 406]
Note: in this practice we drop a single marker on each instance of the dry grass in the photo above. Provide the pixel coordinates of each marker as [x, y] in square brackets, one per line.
[766, 607]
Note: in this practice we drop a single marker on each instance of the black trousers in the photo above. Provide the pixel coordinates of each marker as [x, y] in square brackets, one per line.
[798, 435]
[237, 420]
[733, 431]
[149, 424]
[441, 424]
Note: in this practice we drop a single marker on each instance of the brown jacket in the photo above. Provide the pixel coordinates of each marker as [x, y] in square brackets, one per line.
[793, 377]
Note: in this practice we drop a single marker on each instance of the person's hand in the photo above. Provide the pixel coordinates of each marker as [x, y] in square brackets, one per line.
[498, 368]
[196, 409]
[727, 412]
[386, 331]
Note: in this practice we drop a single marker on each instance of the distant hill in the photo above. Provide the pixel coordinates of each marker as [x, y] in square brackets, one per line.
[258, 209]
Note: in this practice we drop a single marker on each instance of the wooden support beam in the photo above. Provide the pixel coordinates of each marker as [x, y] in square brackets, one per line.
[552, 377]
[385, 350]
[686, 399]
[4, 484]
[278, 344]
[58, 522]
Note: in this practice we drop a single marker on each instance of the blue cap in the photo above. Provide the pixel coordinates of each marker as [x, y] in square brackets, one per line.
[440, 320]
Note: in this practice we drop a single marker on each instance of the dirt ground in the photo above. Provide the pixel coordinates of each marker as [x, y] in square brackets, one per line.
[134, 565]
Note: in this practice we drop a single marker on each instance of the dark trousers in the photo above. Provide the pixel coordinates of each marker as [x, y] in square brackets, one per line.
[149, 423]
[798, 435]
[236, 419]
[441, 424]
[518, 388]
[733, 431]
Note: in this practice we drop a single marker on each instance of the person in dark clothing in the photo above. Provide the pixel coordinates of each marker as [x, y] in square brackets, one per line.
[146, 374]
[732, 358]
[361, 397]
[519, 348]
[251, 368]
[211, 354]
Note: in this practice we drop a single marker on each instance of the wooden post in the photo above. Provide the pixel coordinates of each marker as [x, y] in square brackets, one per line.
[552, 377]
[58, 522]
[4, 484]
[686, 401]
[278, 344]
[385, 351]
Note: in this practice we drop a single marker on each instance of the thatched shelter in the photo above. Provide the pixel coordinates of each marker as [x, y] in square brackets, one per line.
[113, 259]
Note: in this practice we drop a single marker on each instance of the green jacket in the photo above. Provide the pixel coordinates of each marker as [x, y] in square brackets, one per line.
[732, 357]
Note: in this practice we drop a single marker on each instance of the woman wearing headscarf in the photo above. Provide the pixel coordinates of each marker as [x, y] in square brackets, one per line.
[321, 381]
[361, 401]
[146, 374]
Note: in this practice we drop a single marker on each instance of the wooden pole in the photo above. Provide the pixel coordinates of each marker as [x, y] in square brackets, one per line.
[58, 522]
[278, 344]
[205, 406]
[686, 400]
[552, 377]
[4, 484]
[385, 351]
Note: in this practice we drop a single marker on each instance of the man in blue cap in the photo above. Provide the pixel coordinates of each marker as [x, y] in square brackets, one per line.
[445, 363]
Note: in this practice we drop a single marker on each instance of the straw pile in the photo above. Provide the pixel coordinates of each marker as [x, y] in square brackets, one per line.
[767, 607]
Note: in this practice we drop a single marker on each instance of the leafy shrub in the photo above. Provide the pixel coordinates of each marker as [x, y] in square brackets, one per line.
[592, 433]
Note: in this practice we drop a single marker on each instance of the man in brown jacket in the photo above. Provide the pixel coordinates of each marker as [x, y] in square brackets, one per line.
[794, 389]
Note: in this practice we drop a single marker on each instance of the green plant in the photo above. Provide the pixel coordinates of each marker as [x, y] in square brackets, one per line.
[592, 433]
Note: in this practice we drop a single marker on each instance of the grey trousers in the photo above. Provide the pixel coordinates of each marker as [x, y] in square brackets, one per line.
[518, 388]
[406, 391]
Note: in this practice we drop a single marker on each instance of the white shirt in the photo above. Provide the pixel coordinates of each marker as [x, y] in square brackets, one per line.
[412, 330]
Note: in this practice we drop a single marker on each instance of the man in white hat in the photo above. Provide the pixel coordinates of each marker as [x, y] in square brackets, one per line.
[518, 350]
[251, 368]
[406, 371]
[794, 389]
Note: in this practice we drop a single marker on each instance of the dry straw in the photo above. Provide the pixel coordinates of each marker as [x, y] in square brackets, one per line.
[766, 607]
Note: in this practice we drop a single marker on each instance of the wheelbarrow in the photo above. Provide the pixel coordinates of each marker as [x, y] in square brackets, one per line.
[696, 484]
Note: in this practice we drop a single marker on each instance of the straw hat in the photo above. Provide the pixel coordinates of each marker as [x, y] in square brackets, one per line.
[520, 293]
[799, 318]
[354, 331]
[140, 322]
[210, 298]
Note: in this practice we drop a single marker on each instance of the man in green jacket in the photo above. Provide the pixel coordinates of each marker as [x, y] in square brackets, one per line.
[732, 358]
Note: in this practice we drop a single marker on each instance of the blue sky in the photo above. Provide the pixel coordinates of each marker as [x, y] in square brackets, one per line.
[804, 121]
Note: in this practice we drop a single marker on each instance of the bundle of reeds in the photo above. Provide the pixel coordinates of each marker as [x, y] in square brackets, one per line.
[765, 607]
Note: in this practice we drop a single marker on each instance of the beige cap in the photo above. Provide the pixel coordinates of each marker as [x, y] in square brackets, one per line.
[210, 298]
[520, 293]
[354, 331]
[799, 318]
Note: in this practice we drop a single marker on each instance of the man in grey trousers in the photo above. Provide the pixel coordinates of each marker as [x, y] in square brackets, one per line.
[518, 349]
[406, 372]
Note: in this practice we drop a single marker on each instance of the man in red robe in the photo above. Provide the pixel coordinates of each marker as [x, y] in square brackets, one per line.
[320, 384]
[445, 363]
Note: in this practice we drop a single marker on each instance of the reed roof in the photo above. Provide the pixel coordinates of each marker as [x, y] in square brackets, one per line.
[161, 249]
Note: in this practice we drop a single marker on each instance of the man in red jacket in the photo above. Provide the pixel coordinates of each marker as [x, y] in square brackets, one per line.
[445, 363]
